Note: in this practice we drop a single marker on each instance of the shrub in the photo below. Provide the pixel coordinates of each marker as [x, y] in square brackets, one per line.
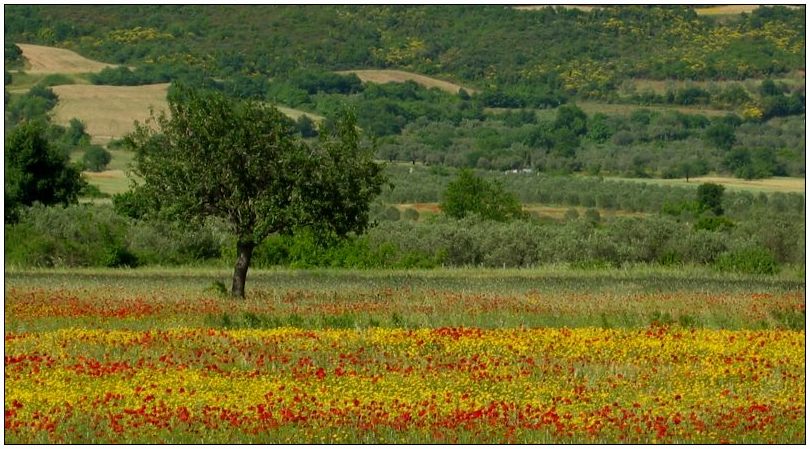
[73, 236]
[163, 243]
[92, 191]
[96, 158]
[749, 260]
[411, 214]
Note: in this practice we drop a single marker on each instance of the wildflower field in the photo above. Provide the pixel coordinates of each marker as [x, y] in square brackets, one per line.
[462, 356]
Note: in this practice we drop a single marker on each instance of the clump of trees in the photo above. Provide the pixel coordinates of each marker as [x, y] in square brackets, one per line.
[36, 172]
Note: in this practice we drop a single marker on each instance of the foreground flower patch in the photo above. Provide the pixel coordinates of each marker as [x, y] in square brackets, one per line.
[200, 385]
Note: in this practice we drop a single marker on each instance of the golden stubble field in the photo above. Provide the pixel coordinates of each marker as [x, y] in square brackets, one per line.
[399, 76]
[46, 60]
[108, 111]
[715, 10]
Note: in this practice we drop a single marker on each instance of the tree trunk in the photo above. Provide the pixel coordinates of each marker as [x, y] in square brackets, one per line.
[244, 251]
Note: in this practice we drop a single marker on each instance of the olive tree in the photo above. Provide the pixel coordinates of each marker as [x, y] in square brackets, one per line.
[243, 162]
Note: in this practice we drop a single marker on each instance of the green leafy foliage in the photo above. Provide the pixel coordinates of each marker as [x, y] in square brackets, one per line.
[469, 194]
[74, 236]
[36, 172]
[12, 55]
[710, 197]
[33, 105]
[585, 53]
[242, 162]
[96, 158]
[750, 260]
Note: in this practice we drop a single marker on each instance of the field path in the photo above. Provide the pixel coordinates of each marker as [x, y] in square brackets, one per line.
[399, 76]
[57, 60]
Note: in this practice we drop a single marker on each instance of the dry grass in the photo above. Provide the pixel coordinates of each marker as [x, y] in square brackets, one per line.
[720, 10]
[751, 84]
[296, 113]
[108, 111]
[398, 76]
[534, 7]
[717, 10]
[46, 60]
[430, 208]
[776, 184]
[557, 212]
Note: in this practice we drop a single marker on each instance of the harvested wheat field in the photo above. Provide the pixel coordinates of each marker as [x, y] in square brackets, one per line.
[533, 7]
[775, 184]
[108, 111]
[398, 76]
[725, 9]
[43, 59]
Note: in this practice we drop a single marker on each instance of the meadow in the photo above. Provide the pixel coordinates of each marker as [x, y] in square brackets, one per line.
[549, 355]
[616, 311]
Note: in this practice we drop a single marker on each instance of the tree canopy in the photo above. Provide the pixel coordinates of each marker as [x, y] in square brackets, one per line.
[469, 194]
[36, 171]
[244, 162]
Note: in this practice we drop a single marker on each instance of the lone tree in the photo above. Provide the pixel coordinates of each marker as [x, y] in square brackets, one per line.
[36, 171]
[469, 194]
[243, 161]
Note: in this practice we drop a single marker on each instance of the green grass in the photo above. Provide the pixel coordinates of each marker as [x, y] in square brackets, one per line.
[108, 182]
[21, 82]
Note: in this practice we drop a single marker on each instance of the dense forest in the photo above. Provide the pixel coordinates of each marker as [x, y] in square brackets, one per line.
[588, 53]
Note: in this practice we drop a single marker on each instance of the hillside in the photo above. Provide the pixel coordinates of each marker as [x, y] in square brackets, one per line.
[630, 91]
[588, 52]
